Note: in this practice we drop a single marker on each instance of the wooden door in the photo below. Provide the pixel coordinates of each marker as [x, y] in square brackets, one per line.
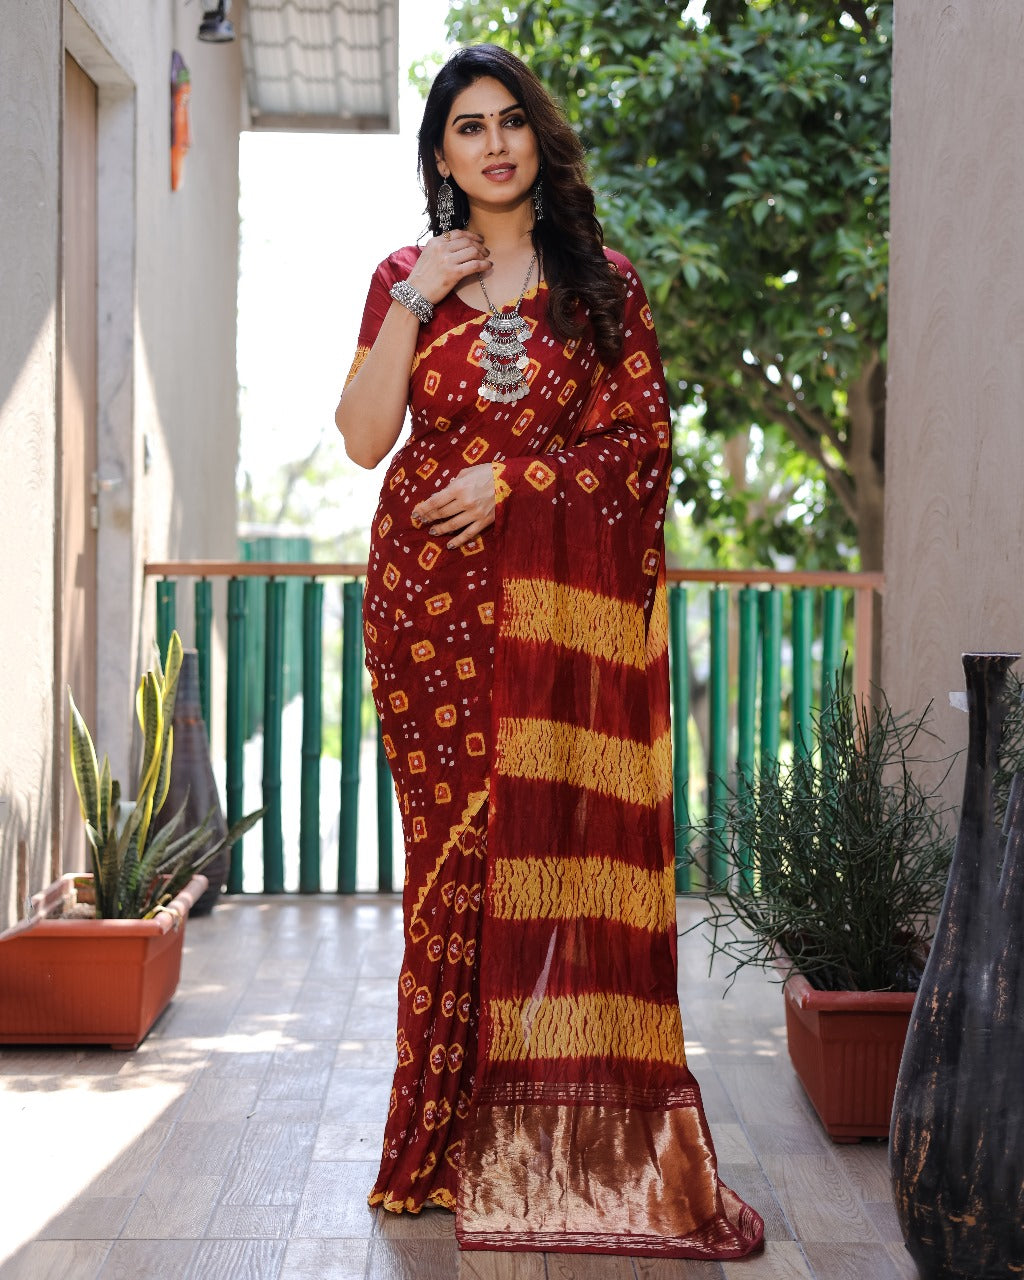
[77, 432]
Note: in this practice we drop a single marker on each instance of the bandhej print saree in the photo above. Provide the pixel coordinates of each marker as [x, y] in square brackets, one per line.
[541, 1089]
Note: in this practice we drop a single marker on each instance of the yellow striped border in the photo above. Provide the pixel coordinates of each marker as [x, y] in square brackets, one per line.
[657, 634]
[594, 888]
[600, 1025]
[583, 621]
[441, 339]
[552, 751]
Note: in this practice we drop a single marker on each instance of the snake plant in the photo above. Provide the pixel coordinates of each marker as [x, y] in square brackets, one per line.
[135, 871]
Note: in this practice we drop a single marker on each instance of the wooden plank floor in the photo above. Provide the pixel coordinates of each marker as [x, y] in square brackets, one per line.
[241, 1138]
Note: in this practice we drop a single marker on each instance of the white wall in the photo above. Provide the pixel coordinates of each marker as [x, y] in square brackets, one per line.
[167, 383]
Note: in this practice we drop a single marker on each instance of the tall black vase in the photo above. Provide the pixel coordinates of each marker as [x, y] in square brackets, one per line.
[192, 777]
[957, 1139]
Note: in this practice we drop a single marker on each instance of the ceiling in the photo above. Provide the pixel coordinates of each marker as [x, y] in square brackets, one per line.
[321, 65]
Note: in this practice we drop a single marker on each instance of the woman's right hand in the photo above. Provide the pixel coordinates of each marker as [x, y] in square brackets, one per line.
[446, 261]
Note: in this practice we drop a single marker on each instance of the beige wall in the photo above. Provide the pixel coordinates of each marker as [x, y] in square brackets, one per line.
[167, 384]
[955, 438]
[30, 76]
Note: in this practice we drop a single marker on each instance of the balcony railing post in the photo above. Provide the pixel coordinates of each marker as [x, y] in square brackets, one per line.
[273, 687]
[204, 631]
[679, 659]
[312, 736]
[863, 643]
[385, 834]
[235, 728]
[166, 609]
[831, 663]
[351, 723]
[833, 608]
[718, 731]
[746, 713]
[803, 606]
[256, 654]
[771, 676]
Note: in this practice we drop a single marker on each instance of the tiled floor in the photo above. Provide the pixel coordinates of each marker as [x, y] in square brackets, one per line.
[240, 1139]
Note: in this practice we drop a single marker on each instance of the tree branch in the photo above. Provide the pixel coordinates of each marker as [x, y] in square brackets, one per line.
[763, 508]
[859, 13]
[291, 474]
[784, 394]
[819, 423]
[809, 441]
[246, 502]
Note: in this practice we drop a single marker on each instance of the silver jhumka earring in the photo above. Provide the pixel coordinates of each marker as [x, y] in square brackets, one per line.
[445, 207]
[538, 200]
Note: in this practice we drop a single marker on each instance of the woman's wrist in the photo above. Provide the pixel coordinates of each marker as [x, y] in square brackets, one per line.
[411, 298]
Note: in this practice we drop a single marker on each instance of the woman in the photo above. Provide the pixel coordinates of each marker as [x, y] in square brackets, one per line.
[516, 640]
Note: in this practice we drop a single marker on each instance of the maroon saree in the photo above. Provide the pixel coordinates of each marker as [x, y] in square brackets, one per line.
[522, 681]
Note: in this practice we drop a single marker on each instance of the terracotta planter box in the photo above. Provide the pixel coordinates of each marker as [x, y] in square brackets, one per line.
[90, 981]
[846, 1048]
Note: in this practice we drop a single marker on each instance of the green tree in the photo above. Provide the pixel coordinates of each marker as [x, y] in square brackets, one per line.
[291, 498]
[741, 160]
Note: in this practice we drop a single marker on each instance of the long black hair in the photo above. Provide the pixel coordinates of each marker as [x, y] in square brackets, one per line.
[568, 238]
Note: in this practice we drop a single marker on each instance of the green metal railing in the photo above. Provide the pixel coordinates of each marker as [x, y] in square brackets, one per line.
[276, 548]
[768, 634]
[762, 649]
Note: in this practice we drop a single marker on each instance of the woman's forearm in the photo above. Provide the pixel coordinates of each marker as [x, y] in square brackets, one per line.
[372, 408]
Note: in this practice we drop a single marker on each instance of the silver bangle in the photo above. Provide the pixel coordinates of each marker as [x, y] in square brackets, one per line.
[402, 291]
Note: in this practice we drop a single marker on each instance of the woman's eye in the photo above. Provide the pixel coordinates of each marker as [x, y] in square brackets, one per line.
[469, 128]
[516, 122]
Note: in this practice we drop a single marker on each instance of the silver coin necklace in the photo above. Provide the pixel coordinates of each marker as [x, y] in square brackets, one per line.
[505, 358]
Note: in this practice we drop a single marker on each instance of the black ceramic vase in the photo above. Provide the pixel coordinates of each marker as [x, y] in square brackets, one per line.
[957, 1139]
[192, 777]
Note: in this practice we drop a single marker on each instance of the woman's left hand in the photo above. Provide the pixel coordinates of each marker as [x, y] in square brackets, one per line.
[463, 508]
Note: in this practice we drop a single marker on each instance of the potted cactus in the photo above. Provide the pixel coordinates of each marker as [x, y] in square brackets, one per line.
[99, 958]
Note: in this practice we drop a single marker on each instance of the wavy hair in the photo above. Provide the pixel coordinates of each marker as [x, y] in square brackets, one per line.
[568, 239]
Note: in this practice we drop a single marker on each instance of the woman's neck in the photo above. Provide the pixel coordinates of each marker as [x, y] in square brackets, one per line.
[506, 231]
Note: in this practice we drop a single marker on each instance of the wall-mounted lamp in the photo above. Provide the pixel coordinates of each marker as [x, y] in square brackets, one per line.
[215, 26]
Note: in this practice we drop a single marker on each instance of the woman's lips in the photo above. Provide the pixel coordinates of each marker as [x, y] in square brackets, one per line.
[500, 172]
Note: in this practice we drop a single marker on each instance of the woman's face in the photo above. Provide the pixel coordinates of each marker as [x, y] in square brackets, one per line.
[489, 148]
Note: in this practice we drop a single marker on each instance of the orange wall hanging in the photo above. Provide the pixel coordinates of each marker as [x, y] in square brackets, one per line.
[181, 137]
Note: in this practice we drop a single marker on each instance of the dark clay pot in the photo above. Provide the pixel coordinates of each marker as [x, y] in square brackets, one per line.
[957, 1137]
[192, 774]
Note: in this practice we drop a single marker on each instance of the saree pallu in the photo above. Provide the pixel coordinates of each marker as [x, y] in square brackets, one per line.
[542, 1087]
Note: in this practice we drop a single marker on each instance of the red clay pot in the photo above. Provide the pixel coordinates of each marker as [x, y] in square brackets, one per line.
[845, 1047]
[90, 981]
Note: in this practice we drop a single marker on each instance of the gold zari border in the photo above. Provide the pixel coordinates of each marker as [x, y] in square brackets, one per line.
[606, 1179]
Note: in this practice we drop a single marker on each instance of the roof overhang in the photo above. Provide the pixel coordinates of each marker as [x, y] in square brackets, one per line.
[321, 65]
